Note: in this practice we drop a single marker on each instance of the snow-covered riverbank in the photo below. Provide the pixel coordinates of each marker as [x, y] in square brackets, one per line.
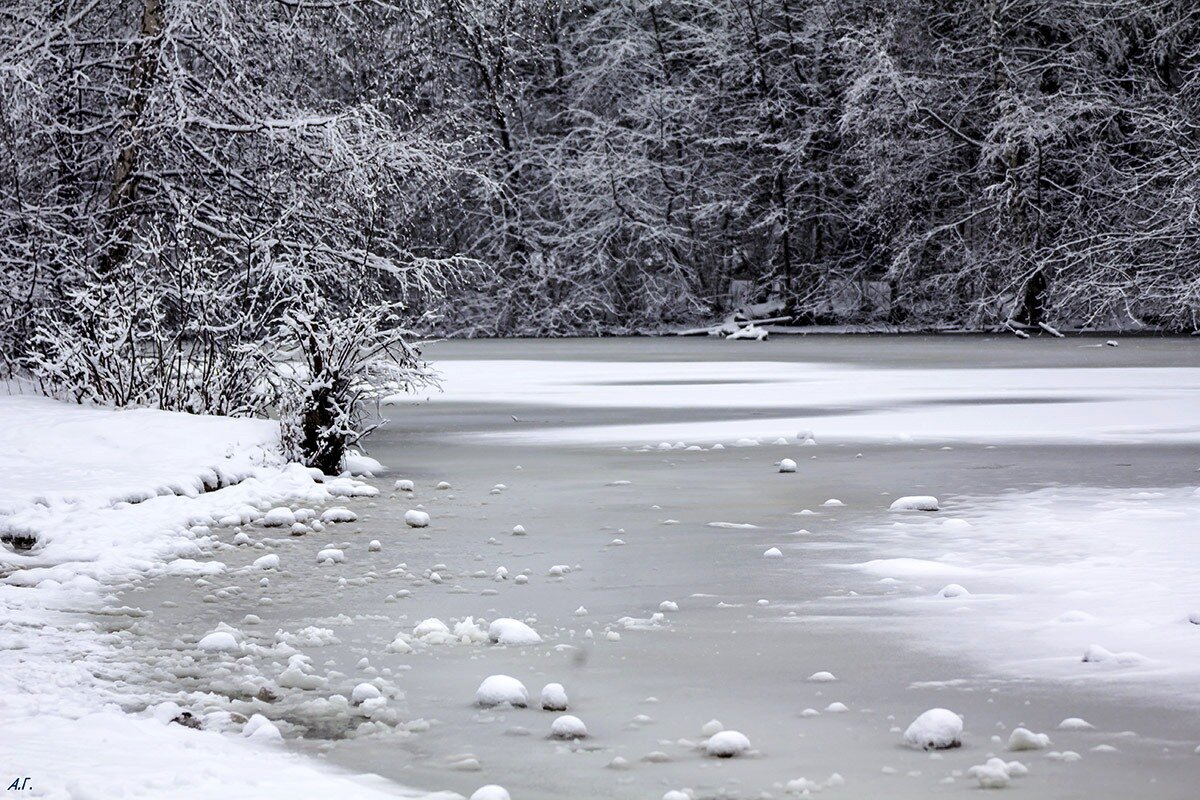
[112, 498]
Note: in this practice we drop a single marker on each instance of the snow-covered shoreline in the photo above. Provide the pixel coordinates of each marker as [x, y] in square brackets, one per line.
[113, 497]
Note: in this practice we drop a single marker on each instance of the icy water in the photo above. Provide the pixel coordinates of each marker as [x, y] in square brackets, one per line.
[748, 631]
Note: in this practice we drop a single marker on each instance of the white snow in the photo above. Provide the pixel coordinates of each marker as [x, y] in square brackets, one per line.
[112, 495]
[490, 792]
[935, 729]
[1073, 583]
[219, 642]
[513, 632]
[281, 517]
[269, 561]
[916, 503]
[501, 690]
[338, 514]
[1025, 739]
[1085, 404]
[787, 465]
[996, 773]
[773, 552]
[1075, 724]
[568, 727]
[727, 744]
[822, 677]
[363, 692]
[416, 519]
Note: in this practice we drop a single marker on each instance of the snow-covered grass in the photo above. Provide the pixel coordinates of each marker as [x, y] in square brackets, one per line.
[107, 498]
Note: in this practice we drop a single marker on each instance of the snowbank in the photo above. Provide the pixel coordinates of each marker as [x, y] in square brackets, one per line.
[1085, 585]
[110, 497]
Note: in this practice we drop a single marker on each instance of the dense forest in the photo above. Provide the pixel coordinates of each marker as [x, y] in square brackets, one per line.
[218, 171]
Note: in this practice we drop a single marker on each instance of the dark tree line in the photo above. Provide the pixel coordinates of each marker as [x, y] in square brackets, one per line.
[192, 176]
[942, 162]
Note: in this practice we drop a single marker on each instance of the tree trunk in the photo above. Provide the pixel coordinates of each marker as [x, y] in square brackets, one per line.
[123, 193]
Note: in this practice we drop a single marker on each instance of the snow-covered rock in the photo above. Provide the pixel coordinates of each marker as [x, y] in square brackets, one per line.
[727, 744]
[711, 728]
[787, 465]
[668, 605]
[936, 729]
[513, 632]
[773, 552]
[281, 517]
[499, 690]
[416, 519]
[518, 530]
[554, 697]
[338, 514]
[405, 485]
[917, 502]
[331, 555]
[822, 677]
[568, 727]
[953, 590]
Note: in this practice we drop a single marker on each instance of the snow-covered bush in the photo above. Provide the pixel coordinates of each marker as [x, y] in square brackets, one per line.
[341, 366]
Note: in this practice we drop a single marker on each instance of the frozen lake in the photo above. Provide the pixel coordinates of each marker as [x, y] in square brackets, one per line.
[1066, 475]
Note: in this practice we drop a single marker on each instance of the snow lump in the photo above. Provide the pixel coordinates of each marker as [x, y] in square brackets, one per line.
[936, 729]
[497, 690]
[727, 744]
[568, 727]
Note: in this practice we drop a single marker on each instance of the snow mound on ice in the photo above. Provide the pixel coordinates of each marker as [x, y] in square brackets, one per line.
[996, 773]
[219, 642]
[497, 690]
[261, 729]
[490, 792]
[822, 677]
[568, 727]
[787, 465]
[364, 692]
[1025, 739]
[512, 631]
[338, 514]
[281, 517]
[919, 502]
[773, 552]
[1075, 724]
[416, 519]
[1095, 654]
[727, 744]
[935, 729]
[554, 697]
